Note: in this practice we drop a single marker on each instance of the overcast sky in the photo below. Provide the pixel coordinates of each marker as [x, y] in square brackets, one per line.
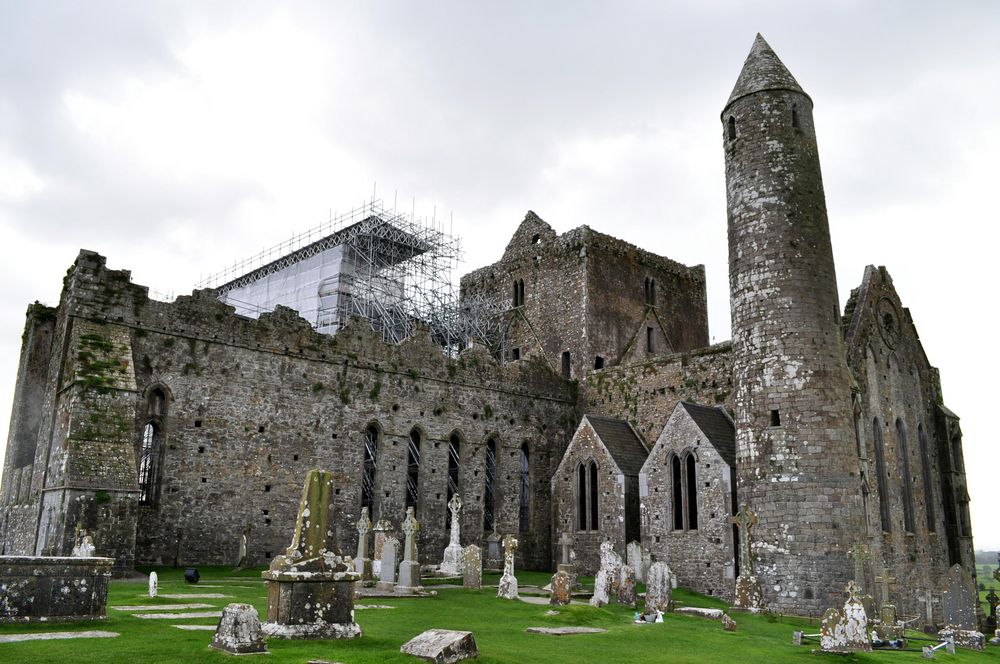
[175, 138]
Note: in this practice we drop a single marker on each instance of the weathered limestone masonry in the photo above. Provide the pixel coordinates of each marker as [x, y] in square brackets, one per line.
[909, 448]
[249, 406]
[797, 466]
[587, 298]
[700, 550]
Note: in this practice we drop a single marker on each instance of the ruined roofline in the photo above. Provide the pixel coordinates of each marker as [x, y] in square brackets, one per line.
[587, 236]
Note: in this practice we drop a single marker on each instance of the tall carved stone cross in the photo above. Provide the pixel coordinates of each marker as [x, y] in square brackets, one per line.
[927, 597]
[852, 592]
[745, 520]
[565, 542]
[455, 506]
[883, 582]
[860, 553]
[410, 528]
[993, 600]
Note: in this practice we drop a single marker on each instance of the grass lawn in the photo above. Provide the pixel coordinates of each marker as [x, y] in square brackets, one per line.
[498, 626]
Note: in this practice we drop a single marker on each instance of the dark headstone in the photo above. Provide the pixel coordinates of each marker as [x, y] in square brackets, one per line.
[37, 588]
[191, 575]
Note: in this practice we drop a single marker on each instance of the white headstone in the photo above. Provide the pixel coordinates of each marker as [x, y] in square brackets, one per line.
[153, 584]
[507, 587]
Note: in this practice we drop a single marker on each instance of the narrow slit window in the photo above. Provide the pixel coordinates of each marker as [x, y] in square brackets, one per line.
[732, 128]
[581, 497]
[565, 365]
[598, 362]
[650, 336]
[146, 464]
[795, 115]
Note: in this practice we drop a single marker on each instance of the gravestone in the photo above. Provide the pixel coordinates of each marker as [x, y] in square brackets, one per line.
[625, 592]
[154, 582]
[85, 547]
[239, 631]
[387, 566]
[960, 599]
[633, 558]
[602, 588]
[926, 598]
[409, 569]
[310, 589]
[887, 610]
[658, 587]
[241, 559]
[442, 646]
[472, 567]
[362, 563]
[847, 630]
[507, 588]
[452, 563]
[959, 603]
[749, 596]
[991, 620]
[383, 530]
[562, 589]
[494, 551]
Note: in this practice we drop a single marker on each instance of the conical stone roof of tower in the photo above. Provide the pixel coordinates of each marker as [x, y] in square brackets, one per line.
[763, 70]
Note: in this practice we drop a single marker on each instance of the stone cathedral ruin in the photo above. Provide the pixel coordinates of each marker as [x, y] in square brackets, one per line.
[567, 390]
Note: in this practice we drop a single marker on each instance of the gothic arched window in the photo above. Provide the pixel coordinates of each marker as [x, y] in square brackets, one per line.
[594, 524]
[369, 467]
[147, 464]
[692, 493]
[581, 497]
[904, 470]
[524, 508]
[490, 492]
[454, 450]
[676, 493]
[925, 456]
[413, 471]
[880, 473]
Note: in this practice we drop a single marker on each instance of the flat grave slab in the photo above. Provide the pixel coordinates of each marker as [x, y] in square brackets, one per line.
[196, 628]
[178, 616]
[194, 595]
[162, 607]
[45, 636]
[564, 631]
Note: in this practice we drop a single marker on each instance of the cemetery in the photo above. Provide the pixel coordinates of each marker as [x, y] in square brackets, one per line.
[319, 605]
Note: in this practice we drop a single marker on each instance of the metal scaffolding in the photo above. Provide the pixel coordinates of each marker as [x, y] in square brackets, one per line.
[373, 263]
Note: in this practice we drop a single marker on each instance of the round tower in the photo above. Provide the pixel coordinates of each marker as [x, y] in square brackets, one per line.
[796, 459]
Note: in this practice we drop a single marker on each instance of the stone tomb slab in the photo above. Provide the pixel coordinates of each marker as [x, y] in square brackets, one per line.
[196, 628]
[564, 631]
[179, 616]
[45, 636]
[194, 595]
[162, 607]
[442, 646]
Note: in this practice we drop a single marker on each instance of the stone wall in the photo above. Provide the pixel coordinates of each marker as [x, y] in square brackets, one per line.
[914, 521]
[612, 489]
[584, 294]
[252, 405]
[702, 557]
